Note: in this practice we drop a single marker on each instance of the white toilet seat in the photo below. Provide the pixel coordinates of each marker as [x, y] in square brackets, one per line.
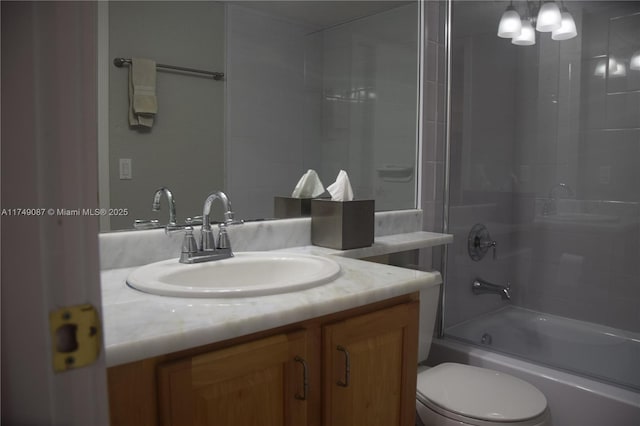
[479, 396]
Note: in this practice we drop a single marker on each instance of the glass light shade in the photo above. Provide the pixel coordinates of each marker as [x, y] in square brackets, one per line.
[510, 24]
[567, 28]
[527, 36]
[634, 62]
[601, 69]
[549, 17]
[616, 69]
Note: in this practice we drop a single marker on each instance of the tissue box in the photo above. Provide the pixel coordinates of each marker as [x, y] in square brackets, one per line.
[288, 207]
[342, 225]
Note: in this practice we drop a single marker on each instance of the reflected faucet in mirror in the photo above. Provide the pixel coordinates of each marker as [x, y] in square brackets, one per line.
[551, 204]
[155, 206]
[209, 249]
[172, 203]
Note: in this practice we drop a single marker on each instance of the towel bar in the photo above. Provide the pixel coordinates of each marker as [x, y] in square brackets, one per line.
[120, 62]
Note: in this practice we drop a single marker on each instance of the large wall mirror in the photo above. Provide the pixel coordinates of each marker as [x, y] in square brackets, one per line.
[308, 85]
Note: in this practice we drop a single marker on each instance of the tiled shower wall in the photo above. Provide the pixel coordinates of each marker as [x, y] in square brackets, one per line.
[434, 129]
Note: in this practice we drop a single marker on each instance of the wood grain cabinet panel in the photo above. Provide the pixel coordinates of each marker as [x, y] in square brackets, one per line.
[370, 362]
[248, 384]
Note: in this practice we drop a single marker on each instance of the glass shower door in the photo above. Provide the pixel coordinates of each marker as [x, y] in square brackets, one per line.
[545, 153]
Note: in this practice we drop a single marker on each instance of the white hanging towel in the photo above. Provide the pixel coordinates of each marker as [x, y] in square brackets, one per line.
[143, 103]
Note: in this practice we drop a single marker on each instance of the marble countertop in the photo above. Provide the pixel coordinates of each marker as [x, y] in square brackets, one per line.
[139, 325]
[388, 244]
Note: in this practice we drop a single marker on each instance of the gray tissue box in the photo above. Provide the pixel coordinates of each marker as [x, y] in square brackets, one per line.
[342, 225]
[288, 207]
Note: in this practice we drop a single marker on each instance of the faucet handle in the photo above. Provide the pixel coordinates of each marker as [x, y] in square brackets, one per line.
[189, 245]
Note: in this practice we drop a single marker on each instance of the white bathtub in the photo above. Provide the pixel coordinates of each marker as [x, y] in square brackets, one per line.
[574, 400]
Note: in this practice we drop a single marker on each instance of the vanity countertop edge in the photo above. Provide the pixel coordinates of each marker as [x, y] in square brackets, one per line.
[139, 325]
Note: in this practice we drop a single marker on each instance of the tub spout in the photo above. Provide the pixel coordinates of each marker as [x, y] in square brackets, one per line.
[481, 287]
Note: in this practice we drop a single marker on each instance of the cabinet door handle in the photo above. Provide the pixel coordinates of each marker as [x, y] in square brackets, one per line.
[305, 380]
[347, 367]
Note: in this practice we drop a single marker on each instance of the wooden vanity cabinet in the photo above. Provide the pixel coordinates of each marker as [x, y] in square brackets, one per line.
[359, 365]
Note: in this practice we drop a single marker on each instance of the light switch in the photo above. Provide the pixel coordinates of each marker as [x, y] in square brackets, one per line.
[125, 169]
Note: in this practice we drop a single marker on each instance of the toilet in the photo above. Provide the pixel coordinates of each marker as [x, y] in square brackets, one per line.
[457, 394]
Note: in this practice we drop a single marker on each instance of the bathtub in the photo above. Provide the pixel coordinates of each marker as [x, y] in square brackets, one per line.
[603, 386]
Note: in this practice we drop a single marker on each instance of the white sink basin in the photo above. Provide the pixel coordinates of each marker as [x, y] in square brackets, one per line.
[245, 274]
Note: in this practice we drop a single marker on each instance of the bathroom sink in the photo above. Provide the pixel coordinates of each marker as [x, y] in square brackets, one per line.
[246, 274]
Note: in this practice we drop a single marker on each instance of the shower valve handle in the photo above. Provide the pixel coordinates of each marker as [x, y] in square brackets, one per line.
[479, 242]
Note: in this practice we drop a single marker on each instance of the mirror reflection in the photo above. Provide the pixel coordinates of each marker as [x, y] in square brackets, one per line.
[308, 85]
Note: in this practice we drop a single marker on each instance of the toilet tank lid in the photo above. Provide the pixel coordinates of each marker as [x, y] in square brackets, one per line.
[480, 393]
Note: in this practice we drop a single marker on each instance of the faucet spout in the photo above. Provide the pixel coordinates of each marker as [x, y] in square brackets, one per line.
[208, 250]
[481, 287]
[172, 204]
[206, 209]
[207, 239]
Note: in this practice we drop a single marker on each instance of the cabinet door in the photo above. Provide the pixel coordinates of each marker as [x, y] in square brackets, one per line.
[258, 383]
[371, 365]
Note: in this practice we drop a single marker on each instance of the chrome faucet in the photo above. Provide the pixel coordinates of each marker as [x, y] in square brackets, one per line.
[172, 204]
[551, 203]
[481, 287]
[209, 250]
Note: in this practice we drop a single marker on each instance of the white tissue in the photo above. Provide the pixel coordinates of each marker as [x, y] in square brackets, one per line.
[340, 190]
[309, 186]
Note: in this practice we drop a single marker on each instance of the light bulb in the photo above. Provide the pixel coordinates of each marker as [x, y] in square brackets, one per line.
[549, 17]
[567, 28]
[527, 36]
[510, 24]
[634, 62]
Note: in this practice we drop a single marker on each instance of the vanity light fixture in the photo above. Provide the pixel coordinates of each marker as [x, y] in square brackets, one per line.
[613, 68]
[510, 24]
[545, 16]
